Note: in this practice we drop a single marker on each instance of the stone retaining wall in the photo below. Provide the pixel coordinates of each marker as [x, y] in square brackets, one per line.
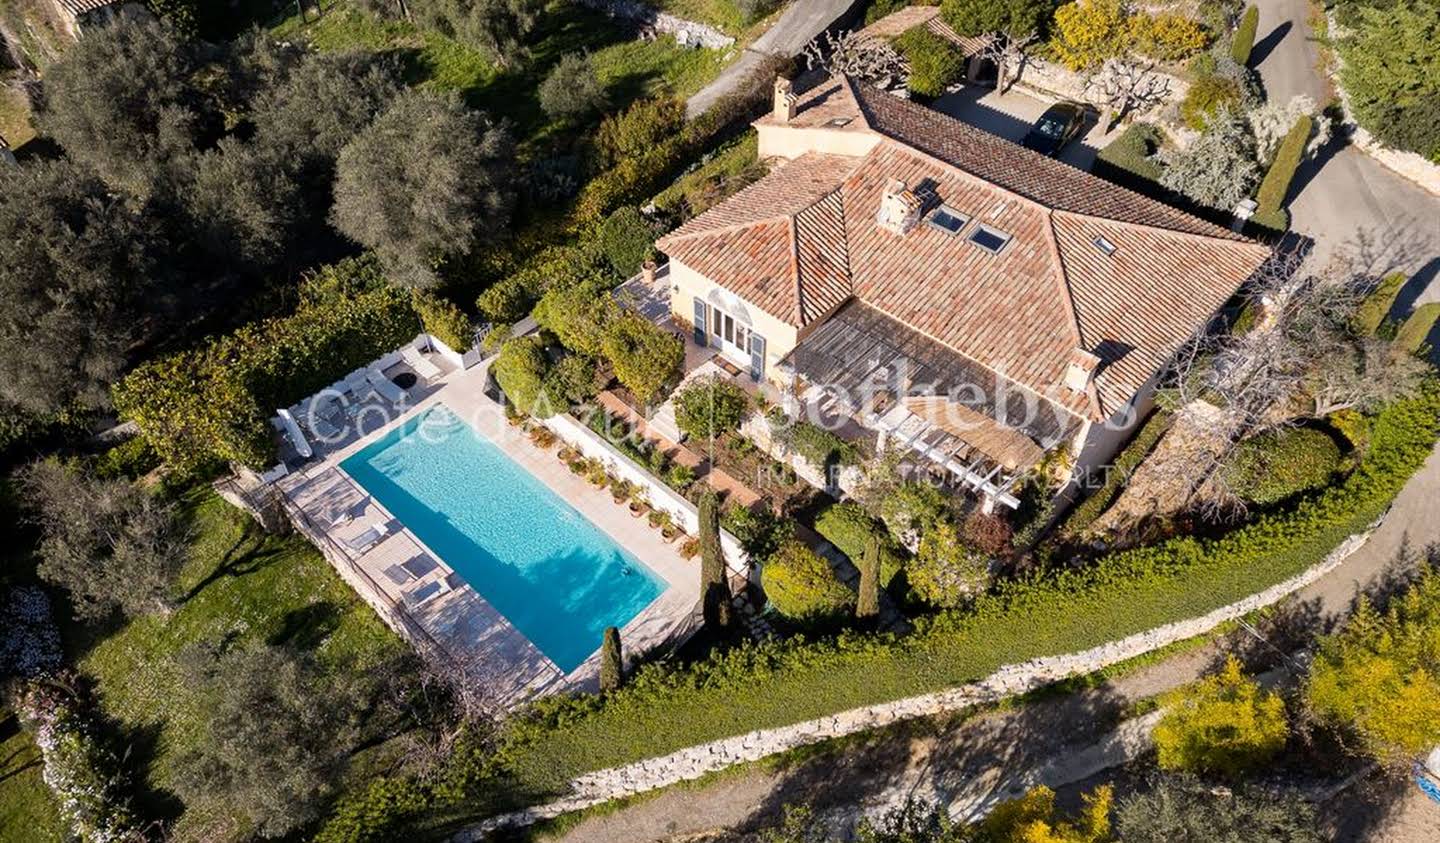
[1052, 81]
[687, 32]
[695, 761]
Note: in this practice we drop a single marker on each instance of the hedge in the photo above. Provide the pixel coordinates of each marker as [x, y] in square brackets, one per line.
[1206, 97]
[1128, 160]
[1244, 40]
[848, 526]
[444, 321]
[1376, 307]
[1413, 333]
[800, 584]
[213, 403]
[776, 683]
[1271, 196]
[816, 445]
[1275, 465]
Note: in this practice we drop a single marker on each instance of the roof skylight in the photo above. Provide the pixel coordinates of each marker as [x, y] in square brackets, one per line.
[990, 239]
[1104, 245]
[947, 219]
[837, 122]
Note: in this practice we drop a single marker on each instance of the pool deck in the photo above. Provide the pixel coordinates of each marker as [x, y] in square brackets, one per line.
[499, 658]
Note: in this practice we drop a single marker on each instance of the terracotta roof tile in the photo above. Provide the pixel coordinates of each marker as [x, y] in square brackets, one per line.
[779, 243]
[804, 239]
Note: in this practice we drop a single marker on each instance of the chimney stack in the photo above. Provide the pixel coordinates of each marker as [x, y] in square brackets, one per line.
[899, 208]
[1081, 370]
[784, 100]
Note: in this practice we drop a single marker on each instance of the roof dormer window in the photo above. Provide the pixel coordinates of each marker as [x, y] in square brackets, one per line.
[947, 219]
[989, 238]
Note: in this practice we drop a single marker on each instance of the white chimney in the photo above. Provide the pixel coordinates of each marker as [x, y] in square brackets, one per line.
[784, 100]
[1080, 371]
[899, 208]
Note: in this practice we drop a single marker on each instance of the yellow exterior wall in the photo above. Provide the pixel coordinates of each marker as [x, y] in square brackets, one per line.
[793, 141]
[686, 285]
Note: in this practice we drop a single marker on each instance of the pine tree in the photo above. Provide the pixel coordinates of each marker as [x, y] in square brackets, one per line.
[868, 605]
[713, 584]
[612, 663]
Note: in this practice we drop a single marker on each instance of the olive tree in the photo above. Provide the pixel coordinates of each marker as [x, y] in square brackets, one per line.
[76, 272]
[112, 546]
[120, 101]
[277, 731]
[423, 183]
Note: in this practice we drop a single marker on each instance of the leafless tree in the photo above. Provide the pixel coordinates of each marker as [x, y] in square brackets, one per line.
[861, 56]
[1300, 359]
[1124, 85]
[1008, 52]
[440, 703]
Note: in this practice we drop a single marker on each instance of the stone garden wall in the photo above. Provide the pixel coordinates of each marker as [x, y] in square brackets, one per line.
[695, 761]
[687, 32]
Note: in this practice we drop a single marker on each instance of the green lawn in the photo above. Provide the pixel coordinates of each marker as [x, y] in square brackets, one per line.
[245, 585]
[629, 68]
[27, 812]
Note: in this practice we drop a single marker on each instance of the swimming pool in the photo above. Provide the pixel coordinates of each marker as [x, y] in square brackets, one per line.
[554, 575]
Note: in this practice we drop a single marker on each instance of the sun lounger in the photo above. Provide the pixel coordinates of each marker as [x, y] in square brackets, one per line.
[386, 387]
[293, 433]
[424, 368]
[324, 428]
[419, 566]
[418, 596]
[367, 539]
[397, 575]
[358, 385]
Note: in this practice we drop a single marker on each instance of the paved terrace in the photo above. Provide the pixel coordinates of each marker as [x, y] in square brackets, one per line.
[389, 572]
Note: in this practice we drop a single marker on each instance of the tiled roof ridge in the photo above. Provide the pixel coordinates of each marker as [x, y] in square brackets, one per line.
[864, 97]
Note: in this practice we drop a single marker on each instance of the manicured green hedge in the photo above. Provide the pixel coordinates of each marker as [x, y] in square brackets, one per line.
[801, 585]
[214, 403]
[1377, 305]
[1129, 159]
[848, 526]
[1275, 465]
[444, 321]
[1412, 334]
[1244, 40]
[1271, 196]
[777, 683]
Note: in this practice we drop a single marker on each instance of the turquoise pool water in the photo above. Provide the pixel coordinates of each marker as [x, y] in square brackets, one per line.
[554, 575]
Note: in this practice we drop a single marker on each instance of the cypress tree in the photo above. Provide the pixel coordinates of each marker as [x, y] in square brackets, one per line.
[714, 586]
[867, 607]
[612, 664]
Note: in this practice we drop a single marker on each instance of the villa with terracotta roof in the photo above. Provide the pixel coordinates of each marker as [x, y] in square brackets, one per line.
[975, 302]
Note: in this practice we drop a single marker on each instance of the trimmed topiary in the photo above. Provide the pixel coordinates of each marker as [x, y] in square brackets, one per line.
[849, 527]
[1278, 464]
[1206, 97]
[934, 62]
[1377, 305]
[1412, 335]
[1244, 41]
[1276, 185]
[710, 407]
[802, 586]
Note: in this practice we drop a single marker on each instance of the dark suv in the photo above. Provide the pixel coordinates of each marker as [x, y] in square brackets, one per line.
[1056, 127]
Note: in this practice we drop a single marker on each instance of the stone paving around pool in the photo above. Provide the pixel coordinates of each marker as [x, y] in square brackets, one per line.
[458, 618]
